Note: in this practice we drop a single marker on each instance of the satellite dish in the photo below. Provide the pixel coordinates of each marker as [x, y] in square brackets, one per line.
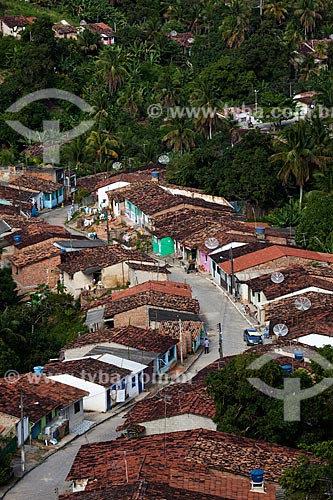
[280, 329]
[163, 159]
[173, 33]
[117, 165]
[302, 303]
[277, 277]
[190, 40]
[211, 243]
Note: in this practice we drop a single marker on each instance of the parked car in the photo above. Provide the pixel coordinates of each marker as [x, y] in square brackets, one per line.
[252, 337]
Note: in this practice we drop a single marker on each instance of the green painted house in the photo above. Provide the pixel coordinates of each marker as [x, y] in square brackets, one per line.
[163, 246]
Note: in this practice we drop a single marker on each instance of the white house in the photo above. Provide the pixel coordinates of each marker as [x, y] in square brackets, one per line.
[108, 380]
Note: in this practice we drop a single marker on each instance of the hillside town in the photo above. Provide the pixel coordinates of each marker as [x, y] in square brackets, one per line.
[166, 250]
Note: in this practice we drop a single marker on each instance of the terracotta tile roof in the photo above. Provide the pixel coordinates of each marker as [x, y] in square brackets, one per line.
[130, 336]
[147, 196]
[151, 198]
[273, 253]
[166, 294]
[115, 306]
[183, 39]
[310, 48]
[317, 319]
[12, 194]
[168, 287]
[183, 222]
[250, 247]
[174, 458]
[96, 181]
[101, 28]
[32, 255]
[73, 262]
[177, 399]
[64, 29]
[15, 21]
[295, 279]
[40, 396]
[90, 369]
[33, 233]
[193, 328]
[225, 231]
[36, 184]
[149, 269]
[142, 490]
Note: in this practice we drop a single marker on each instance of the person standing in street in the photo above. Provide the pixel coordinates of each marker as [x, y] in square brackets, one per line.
[206, 345]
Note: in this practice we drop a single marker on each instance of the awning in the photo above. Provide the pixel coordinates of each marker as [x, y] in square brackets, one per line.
[95, 316]
[92, 269]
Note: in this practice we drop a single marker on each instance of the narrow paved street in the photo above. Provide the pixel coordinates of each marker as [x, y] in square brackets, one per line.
[215, 307]
[48, 479]
[41, 483]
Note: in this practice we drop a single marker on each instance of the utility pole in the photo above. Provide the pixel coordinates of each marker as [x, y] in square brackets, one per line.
[181, 341]
[256, 101]
[220, 340]
[107, 226]
[22, 436]
[231, 257]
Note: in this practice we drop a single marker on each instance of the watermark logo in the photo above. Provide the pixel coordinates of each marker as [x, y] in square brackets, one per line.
[11, 376]
[51, 137]
[292, 394]
[191, 112]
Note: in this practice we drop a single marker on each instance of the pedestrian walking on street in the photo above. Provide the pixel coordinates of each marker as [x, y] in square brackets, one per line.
[206, 345]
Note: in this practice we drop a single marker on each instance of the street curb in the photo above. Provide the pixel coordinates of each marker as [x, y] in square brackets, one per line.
[55, 450]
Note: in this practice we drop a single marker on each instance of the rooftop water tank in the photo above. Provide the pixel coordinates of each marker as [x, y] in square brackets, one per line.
[299, 355]
[39, 370]
[287, 368]
[257, 476]
[260, 230]
[17, 238]
[154, 175]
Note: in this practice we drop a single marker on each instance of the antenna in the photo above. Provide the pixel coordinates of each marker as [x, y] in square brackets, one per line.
[277, 277]
[280, 329]
[163, 159]
[211, 243]
[302, 303]
[117, 165]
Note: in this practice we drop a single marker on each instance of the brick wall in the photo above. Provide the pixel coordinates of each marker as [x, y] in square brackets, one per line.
[38, 273]
[135, 317]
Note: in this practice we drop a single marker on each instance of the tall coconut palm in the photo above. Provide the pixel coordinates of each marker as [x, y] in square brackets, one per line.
[180, 136]
[307, 11]
[101, 146]
[277, 10]
[207, 103]
[112, 65]
[236, 23]
[298, 155]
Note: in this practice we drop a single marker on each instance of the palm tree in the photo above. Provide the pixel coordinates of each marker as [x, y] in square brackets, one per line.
[168, 87]
[204, 99]
[306, 10]
[276, 10]
[112, 65]
[88, 42]
[298, 155]
[180, 137]
[100, 145]
[236, 23]
[130, 100]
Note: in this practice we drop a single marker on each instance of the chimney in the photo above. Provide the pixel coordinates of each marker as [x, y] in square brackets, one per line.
[257, 480]
[155, 175]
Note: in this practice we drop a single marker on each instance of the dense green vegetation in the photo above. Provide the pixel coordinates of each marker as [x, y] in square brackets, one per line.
[241, 409]
[240, 54]
[32, 332]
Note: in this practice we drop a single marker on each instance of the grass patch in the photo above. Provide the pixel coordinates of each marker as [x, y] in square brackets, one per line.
[27, 9]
